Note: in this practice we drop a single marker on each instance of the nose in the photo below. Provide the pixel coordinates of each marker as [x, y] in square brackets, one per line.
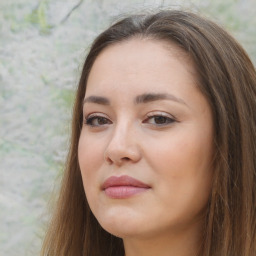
[123, 147]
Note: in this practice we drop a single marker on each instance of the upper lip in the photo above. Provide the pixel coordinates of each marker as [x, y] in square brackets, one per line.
[124, 180]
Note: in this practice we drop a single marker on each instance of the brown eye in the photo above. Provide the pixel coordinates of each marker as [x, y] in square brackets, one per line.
[159, 120]
[97, 121]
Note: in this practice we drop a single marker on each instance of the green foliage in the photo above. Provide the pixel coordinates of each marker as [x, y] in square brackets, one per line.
[68, 97]
[38, 17]
[64, 96]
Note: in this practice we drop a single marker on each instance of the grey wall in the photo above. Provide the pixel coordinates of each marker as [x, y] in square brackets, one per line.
[42, 47]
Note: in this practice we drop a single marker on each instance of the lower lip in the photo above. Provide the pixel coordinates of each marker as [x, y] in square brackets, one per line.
[121, 192]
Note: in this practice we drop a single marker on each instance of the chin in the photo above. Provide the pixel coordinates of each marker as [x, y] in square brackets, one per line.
[121, 225]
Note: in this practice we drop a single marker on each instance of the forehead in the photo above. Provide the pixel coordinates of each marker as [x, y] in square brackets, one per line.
[139, 64]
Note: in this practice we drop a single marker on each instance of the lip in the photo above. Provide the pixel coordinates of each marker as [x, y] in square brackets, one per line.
[123, 187]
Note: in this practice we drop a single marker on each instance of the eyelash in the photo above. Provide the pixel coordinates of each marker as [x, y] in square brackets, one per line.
[89, 120]
[169, 119]
[163, 117]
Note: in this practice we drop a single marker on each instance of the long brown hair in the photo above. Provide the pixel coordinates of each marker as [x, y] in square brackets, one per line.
[227, 78]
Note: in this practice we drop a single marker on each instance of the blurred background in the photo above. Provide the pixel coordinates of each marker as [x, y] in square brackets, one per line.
[42, 48]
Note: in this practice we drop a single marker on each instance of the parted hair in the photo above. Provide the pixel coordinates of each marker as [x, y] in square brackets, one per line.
[227, 78]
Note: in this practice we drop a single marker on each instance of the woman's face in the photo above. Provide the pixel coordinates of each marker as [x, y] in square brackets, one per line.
[146, 146]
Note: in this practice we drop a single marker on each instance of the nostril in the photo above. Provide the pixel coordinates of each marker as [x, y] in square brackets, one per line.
[120, 155]
[126, 158]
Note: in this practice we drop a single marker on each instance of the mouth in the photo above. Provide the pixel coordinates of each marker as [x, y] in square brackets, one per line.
[123, 187]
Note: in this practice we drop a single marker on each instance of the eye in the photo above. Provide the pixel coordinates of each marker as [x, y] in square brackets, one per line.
[159, 119]
[96, 120]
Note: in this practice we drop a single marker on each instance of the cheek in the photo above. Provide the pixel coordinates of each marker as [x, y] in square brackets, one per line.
[90, 153]
[183, 166]
[90, 158]
[182, 155]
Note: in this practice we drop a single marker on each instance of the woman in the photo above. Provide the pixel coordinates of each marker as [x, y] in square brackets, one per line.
[162, 156]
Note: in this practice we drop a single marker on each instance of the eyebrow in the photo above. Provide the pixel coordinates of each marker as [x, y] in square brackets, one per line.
[149, 97]
[143, 98]
[97, 99]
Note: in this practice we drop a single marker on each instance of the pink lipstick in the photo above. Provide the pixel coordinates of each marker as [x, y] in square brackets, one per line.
[123, 187]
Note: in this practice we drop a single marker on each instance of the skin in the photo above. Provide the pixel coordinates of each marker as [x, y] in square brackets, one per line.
[171, 154]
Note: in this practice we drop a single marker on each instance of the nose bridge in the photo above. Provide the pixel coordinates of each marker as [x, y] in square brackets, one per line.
[122, 136]
[123, 143]
[121, 132]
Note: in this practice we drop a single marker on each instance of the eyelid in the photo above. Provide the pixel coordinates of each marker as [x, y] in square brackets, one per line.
[90, 117]
[160, 113]
[155, 114]
[95, 114]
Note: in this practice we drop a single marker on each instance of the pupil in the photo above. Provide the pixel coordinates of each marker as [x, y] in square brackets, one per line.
[160, 120]
[101, 120]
